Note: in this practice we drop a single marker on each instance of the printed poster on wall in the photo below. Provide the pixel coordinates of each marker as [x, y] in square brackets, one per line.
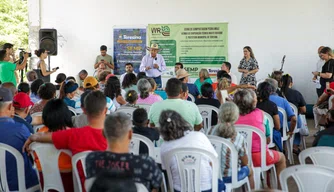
[197, 46]
[129, 47]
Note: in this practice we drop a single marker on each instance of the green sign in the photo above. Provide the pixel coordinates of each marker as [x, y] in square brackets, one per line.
[197, 46]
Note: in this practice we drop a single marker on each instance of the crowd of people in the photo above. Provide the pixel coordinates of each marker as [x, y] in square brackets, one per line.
[97, 126]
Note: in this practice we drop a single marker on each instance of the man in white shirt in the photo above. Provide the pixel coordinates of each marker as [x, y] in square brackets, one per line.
[226, 66]
[153, 64]
[128, 69]
[316, 79]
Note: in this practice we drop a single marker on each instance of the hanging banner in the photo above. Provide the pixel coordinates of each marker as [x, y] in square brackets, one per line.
[129, 47]
[197, 46]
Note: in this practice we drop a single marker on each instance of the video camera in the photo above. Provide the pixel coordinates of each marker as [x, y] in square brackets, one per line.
[21, 55]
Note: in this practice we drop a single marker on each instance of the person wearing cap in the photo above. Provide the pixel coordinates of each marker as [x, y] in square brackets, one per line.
[67, 93]
[104, 59]
[183, 76]
[14, 134]
[22, 104]
[153, 64]
[128, 69]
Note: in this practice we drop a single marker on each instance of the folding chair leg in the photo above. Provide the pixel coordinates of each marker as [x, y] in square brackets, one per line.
[164, 185]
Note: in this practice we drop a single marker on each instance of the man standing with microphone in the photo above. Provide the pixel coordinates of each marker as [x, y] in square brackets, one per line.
[153, 64]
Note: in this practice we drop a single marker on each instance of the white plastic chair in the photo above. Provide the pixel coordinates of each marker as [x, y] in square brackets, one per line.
[206, 113]
[191, 97]
[20, 169]
[302, 138]
[145, 106]
[285, 136]
[74, 113]
[37, 127]
[76, 178]
[247, 131]
[309, 178]
[323, 156]
[189, 165]
[330, 104]
[271, 125]
[48, 157]
[128, 110]
[218, 143]
[36, 114]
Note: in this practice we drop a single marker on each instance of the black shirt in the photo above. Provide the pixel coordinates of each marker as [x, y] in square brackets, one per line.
[268, 107]
[295, 97]
[151, 133]
[212, 102]
[328, 67]
[142, 168]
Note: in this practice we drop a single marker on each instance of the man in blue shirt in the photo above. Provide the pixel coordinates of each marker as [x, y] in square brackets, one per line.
[284, 104]
[22, 104]
[14, 134]
[183, 76]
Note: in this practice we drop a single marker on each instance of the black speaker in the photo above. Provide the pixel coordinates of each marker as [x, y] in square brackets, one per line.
[48, 40]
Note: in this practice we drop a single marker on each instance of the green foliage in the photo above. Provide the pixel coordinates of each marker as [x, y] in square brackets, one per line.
[14, 23]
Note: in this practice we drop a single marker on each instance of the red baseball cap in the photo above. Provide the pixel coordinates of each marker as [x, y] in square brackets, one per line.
[22, 100]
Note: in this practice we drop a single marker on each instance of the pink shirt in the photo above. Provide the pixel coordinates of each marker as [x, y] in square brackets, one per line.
[149, 100]
[255, 119]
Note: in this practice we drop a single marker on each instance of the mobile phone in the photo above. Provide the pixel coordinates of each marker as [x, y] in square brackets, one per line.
[327, 85]
[102, 59]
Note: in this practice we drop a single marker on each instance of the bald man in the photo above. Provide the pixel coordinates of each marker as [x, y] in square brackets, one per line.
[316, 79]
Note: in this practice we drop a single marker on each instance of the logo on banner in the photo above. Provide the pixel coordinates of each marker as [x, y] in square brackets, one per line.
[164, 30]
[129, 37]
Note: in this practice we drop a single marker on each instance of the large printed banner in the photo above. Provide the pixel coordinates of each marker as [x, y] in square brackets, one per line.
[197, 46]
[129, 47]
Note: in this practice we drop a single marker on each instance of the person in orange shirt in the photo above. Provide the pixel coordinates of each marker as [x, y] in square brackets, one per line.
[56, 116]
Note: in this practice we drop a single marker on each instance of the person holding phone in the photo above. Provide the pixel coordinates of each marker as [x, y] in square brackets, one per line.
[41, 71]
[104, 59]
[153, 64]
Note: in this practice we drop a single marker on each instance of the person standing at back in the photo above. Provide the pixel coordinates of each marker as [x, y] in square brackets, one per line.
[104, 59]
[41, 70]
[248, 67]
[315, 78]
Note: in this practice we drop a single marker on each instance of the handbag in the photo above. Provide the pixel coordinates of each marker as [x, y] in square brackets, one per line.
[303, 130]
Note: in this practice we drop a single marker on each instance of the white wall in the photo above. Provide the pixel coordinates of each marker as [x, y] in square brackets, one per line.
[294, 28]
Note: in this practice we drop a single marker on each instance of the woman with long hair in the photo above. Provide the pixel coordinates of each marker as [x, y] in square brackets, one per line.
[203, 78]
[228, 115]
[46, 92]
[248, 67]
[67, 93]
[130, 82]
[114, 92]
[41, 71]
[145, 94]
[327, 70]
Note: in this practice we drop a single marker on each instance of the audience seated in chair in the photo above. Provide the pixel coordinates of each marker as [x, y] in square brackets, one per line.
[31, 76]
[140, 126]
[203, 77]
[183, 76]
[118, 131]
[14, 134]
[81, 120]
[185, 92]
[153, 86]
[34, 90]
[228, 115]
[145, 93]
[326, 136]
[188, 110]
[56, 117]
[23, 87]
[89, 138]
[246, 100]
[22, 105]
[46, 92]
[130, 82]
[102, 80]
[67, 92]
[177, 132]
[131, 98]
[114, 92]
[207, 99]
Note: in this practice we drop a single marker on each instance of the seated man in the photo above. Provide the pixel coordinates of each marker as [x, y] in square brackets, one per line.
[183, 76]
[89, 138]
[81, 77]
[226, 66]
[282, 103]
[128, 69]
[22, 104]
[81, 120]
[188, 110]
[177, 67]
[326, 137]
[14, 134]
[118, 131]
[31, 76]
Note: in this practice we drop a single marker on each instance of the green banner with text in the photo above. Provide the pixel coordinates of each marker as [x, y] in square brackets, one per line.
[197, 46]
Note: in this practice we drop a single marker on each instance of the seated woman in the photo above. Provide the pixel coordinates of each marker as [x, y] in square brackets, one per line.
[246, 100]
[34, 90]
[68, 92]
[130, 82]
[102, 80]
[263, 93]
[46, 92]
[56, 116]
[207, 99]
[131, 99]
[203, 78]
[326, 136]
[145, 95]
[176, 133]
[228, 115]
[114, 92]
[296, 98]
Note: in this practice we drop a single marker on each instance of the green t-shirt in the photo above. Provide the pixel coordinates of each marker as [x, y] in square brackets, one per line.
[188, 110]
[7, 72]
[107, 58]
